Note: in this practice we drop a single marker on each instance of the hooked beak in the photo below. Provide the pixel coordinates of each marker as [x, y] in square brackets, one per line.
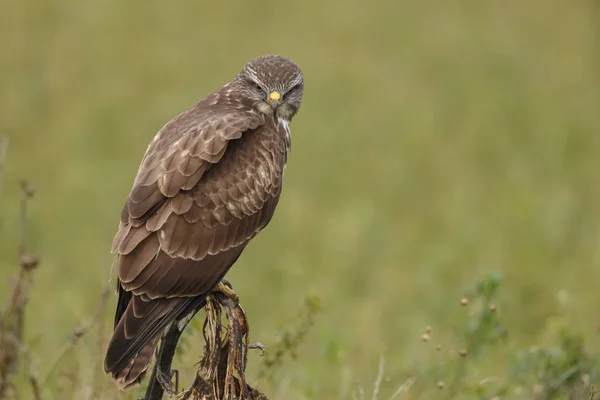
[274, 99]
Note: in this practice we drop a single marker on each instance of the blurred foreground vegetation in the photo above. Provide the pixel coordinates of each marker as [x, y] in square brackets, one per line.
[443, 150]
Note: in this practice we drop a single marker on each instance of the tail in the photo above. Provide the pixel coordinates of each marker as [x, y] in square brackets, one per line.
[133, 373]
[137, 332]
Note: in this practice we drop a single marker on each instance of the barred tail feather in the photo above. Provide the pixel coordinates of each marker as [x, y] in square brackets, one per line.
[134, 372]
[136, 335]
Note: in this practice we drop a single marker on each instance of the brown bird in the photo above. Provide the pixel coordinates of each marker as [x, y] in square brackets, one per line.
[208, 183]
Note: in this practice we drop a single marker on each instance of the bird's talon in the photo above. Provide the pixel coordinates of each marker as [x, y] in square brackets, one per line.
[225, 288]
[227, 283]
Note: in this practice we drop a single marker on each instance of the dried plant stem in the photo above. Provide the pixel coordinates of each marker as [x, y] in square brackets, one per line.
[35, 387]
[12, 319]
[79, 332]
[3, 151]
[403, 388]
[221, 373]
[379, 378]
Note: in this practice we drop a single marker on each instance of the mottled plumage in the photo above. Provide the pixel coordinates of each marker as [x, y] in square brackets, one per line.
[208, 183]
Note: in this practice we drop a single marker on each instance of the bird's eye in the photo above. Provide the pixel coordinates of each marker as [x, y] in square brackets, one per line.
[259, 90]
[294, 88]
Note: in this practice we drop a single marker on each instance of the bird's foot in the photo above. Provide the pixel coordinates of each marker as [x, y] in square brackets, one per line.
[225, 288]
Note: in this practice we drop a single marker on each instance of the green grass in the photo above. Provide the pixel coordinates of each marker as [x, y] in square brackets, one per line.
[438, 142]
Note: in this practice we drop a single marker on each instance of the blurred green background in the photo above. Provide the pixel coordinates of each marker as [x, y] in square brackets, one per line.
[437, 142]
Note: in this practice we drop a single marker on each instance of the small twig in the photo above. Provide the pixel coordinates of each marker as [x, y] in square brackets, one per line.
[258, 346]
[379, 378]
[593, 392]
[78, 332]
[12, 320]
[361, 391]
[290, 338]
[31, 375]
[27, 261]
[563, 377]
[35, 387]
[4, 142]
[27, 193]
[404, 387]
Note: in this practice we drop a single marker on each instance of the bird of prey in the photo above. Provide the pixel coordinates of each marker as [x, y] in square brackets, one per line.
[208, 183]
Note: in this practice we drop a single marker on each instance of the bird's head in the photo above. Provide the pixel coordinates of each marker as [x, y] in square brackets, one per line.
[273, 85]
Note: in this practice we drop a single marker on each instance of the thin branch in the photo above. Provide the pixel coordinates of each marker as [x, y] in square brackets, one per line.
[403, 388]
[35, 387]
[79, 332]
[27, 192]
[12, 320]
[379, 378]
[4, 142]
[361, 391]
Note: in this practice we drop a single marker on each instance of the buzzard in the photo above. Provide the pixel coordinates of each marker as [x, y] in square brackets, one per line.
[208, 183]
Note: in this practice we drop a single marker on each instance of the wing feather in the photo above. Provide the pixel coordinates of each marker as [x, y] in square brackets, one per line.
[131, 264]
[182, 152]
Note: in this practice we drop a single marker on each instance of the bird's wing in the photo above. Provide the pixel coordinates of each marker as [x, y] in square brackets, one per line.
[190, 201]
[193, 208]
[180, 154]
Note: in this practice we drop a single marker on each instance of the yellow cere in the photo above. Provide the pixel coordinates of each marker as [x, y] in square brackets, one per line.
[274, 96]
